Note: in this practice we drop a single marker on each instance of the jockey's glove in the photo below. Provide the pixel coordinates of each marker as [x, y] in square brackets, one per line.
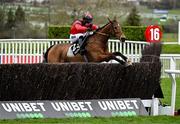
[89, 29]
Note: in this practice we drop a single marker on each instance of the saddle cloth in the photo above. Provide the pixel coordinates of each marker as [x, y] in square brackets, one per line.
[73, 50]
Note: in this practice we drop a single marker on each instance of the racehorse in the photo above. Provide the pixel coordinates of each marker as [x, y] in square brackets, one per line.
[96, 47]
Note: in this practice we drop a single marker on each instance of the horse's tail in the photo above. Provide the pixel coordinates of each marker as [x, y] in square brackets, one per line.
[45, 55]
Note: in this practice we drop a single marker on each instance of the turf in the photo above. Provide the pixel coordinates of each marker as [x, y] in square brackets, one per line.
[174, 11]
[171, 48]
[166, 87]
[117, 120]
[169, 37]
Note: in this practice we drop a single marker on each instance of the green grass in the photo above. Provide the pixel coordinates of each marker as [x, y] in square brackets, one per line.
[114, 120]
[170, 37]
[171, 49]
[166, 87]
[174, 11]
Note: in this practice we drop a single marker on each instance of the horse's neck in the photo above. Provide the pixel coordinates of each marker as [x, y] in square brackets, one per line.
[103, 34]
[102, 37]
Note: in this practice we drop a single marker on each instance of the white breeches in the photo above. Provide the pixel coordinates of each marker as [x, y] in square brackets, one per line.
[75, 37]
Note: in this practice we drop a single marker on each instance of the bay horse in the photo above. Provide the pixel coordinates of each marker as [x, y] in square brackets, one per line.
[96, 47]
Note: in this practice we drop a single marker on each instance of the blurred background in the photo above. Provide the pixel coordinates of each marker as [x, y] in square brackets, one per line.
[31, 18]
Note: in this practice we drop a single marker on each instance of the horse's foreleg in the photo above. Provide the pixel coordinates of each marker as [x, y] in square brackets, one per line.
[109, 57]
[128, 61]
[118, 60]
[121, 55]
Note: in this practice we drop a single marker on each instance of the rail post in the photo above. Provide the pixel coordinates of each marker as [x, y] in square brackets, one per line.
[179, 33]
[173, 89]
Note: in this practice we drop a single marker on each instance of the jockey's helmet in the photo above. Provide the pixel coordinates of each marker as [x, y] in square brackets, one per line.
[87, 17]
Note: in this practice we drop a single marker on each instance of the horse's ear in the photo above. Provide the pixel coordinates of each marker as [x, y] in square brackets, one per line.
[109, 19]
[115, 17]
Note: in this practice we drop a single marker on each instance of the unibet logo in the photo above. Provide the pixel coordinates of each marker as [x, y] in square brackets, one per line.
[30, 115]
[125, 113]
[78, 114]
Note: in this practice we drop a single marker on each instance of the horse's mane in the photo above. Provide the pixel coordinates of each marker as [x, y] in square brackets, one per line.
[99, 29]
[94, 33]
[102, 27]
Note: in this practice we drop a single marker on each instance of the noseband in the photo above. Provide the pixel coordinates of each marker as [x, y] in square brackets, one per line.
[115, 32]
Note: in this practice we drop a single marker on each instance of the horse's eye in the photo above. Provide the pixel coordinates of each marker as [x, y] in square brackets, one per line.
[115, 27]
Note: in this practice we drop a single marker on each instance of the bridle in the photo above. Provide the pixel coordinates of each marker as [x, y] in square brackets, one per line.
[113, 28]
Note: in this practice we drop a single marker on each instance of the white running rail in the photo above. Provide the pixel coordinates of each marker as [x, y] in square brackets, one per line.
[31, 50]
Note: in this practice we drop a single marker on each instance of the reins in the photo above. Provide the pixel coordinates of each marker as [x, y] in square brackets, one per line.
[104, 34]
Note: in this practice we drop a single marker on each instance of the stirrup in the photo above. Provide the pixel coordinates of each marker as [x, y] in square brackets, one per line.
[82, 51]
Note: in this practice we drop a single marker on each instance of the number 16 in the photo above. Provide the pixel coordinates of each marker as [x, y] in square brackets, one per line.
[155, 35]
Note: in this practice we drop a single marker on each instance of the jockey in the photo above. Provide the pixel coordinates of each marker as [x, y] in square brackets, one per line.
[78, 31]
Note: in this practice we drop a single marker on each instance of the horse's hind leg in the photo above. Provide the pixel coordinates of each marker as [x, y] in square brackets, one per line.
[53, 58]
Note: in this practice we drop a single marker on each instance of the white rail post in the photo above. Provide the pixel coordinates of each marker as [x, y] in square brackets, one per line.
[173, 90]
[155, 106]
[173, 65]
[179, 33]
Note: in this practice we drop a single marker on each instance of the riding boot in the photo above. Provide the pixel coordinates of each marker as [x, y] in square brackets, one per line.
[82, 49]
[83, 44]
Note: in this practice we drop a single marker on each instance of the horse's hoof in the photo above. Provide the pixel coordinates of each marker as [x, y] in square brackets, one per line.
[129, 62]
[126, 64]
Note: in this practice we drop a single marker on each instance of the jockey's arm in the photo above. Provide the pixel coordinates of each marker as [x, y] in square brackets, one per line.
[80, 28]
[94, 27]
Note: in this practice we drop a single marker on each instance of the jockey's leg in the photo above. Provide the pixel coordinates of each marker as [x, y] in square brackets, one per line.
[81, 40]
[79, 45]
[82, 45]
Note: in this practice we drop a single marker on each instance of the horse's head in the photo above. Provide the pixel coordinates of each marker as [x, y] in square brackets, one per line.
[116, 30]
